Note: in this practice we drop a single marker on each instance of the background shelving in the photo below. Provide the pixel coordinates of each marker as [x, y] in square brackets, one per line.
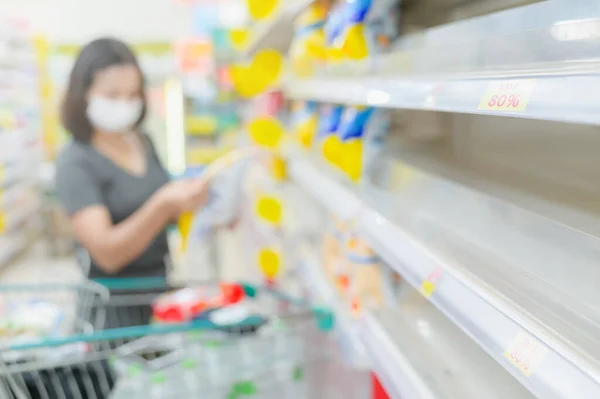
[21, 151]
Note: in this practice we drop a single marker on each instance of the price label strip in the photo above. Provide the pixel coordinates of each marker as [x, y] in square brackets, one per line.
[429, 284]
[525, 353]
[507, 95]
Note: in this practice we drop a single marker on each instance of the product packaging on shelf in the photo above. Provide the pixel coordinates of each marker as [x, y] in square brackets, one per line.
[340, 266]
[332, 248]
[369, 28]
[334, 26]
[366, 283]
[308, 49]
[361, 134]
[304, 122]
[328, 141]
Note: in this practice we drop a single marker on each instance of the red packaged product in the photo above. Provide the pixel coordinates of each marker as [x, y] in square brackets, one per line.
[188, 303]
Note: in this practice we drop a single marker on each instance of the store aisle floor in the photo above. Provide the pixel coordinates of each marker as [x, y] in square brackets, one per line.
[36, 266]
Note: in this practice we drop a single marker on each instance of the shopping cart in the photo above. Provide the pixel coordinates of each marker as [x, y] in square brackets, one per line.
[264, 354]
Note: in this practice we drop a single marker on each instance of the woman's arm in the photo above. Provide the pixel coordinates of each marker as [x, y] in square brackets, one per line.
[112, 247]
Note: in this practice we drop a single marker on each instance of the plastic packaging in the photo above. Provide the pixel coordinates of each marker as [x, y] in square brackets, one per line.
[362, 133]
[226, 176]
[332, 251]
[189, 303]
[369, 27]
[341, 272]
[308, 49]
[366, 279]
[334, 26]
[305, 120]
[329, 143]
[29, 320]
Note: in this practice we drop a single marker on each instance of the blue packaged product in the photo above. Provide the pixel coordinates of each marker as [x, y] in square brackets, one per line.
[369, 27]
[362, 134]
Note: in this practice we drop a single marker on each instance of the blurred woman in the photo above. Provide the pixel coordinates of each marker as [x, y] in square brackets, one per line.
[118, 195]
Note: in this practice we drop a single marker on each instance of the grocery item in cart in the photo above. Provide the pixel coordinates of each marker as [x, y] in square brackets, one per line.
[362, 133]
[216, 356]
[26, 320]
[328, 141]
[189, 303]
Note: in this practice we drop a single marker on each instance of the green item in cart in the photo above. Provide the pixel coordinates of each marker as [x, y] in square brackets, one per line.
[189, 364]
[244, 388]
[298, 374]
[158, 378]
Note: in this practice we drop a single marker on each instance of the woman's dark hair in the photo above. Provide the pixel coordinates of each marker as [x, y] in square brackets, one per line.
[93, 57]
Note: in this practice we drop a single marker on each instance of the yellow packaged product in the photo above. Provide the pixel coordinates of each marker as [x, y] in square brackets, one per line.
[329, 143]
[304, 122]
[308, 49]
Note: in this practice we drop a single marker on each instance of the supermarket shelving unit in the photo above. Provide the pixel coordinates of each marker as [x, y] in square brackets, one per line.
[492, 212]
[20, 142]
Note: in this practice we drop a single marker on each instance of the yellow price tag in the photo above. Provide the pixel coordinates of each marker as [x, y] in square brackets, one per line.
[507, 95]
[525, 353]
[429, 284]
[269, 261]
[269, 209]
[2, 222]
[278, 168]
[427, 288]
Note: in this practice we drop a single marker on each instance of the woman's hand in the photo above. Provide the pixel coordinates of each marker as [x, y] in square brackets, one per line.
[184, 195]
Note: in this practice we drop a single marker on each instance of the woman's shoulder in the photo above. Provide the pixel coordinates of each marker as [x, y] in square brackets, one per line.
[73, 155]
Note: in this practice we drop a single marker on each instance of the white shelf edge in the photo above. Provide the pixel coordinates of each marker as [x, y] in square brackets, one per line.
[346, 330]
[485, 317]
[391, 367]
[557, 98]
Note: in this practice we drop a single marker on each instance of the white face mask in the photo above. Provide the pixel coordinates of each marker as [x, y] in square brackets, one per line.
[113, 116]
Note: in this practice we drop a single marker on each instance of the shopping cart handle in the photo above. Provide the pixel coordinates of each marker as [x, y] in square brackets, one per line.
[124, 333]
[139, 283]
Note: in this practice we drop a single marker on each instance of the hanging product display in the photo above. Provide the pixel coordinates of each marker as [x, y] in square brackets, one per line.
[361, 133]
[304, 122]
[263, 9]
[328, 141]
[259, 74]
[308, 49]
[368, 27]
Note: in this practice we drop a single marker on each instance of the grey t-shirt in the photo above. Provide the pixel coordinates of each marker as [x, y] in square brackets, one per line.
[85, 177]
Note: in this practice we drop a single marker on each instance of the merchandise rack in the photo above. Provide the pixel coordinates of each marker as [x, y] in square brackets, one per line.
[524, 281]
[275, 33]
[20, 141]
